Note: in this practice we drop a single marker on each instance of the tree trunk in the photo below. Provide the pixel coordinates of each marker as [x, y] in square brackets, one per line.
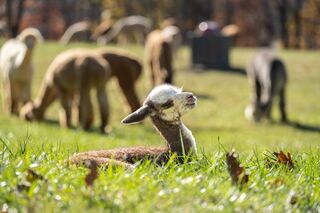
[14, 27]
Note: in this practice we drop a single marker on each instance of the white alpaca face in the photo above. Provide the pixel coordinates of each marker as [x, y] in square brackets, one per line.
[170, 102]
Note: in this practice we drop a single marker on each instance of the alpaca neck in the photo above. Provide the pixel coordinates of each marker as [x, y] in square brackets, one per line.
[48, 94]
[179, 138]
[27, 58]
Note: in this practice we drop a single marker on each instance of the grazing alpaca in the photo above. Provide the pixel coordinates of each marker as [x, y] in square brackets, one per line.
[160, 45]
[79, 31]
[73, 72]
[268, 77]
[165, 105]
[17, 69]
[134, 26]
[127, 69]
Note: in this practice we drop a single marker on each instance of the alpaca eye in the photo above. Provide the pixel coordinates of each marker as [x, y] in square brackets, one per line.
[167, 104]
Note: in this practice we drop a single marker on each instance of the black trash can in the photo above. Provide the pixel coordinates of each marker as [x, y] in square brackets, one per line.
[210, 51]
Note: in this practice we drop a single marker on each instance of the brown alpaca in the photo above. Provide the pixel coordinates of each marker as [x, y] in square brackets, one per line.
[158, 54]
[165, 105]
[73, 72]
[17, 69]
[127, 69]
[268, 78]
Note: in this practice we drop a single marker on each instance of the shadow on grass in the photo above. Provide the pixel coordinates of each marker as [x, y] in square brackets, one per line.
[234, 70]
[93, 130]
[304, 127]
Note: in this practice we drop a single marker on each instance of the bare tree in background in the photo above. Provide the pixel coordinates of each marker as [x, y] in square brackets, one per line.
[14, 22]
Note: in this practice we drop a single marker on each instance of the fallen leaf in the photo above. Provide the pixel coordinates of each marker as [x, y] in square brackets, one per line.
[236, 170]
[284, 159]
[93, 174]
[32, 176]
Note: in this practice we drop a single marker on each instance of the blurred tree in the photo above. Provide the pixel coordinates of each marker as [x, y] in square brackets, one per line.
[14, 14]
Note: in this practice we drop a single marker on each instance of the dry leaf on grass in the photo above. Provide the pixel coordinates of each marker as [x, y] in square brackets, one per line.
[284, 159]
[278, 158]
[236, 170]
[93, 174]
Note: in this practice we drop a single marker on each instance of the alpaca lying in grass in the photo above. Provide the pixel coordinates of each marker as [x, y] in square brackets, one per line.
[134, 26]
[127, 69]
[17, 69]
[160, 45]
[164, 105]
[73, 72]
[268, 78]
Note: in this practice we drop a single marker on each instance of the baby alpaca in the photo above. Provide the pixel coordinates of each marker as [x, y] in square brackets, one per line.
[164, 105]
[17, 69]
[127, 69]
[73, 72]
[158, 54]
[268, 78]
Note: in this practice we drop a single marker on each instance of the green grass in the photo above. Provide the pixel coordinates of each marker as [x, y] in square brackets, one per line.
[203, 185]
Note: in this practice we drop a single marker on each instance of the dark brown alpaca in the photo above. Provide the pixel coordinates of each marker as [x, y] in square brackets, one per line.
[165, 105]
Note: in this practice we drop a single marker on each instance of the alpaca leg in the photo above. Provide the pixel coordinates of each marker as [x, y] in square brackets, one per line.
[269, 109]
[166, 63]
[7, 96]
[104, 108]
[152, 71]
[128, 88]
[282, 105]
[15, 96]
[85, 109]
[65, 113]
[26, 92]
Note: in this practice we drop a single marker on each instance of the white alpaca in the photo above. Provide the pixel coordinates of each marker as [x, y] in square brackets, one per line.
[164, 105]
[16, 68]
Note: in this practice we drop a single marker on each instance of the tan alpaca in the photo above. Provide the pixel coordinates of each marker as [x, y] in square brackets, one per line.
[17, 69]
[127, 69]
[164, 105]
[73, 72]
[158, 54]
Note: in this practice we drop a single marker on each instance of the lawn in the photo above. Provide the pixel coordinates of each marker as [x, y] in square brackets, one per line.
[202, 185]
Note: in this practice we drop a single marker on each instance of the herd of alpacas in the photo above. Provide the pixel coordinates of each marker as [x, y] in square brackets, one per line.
[74, 73]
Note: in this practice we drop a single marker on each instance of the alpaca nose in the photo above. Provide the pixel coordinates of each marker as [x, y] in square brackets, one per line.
[190, 97]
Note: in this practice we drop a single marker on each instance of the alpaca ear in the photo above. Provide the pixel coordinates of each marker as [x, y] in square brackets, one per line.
[138, 115]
